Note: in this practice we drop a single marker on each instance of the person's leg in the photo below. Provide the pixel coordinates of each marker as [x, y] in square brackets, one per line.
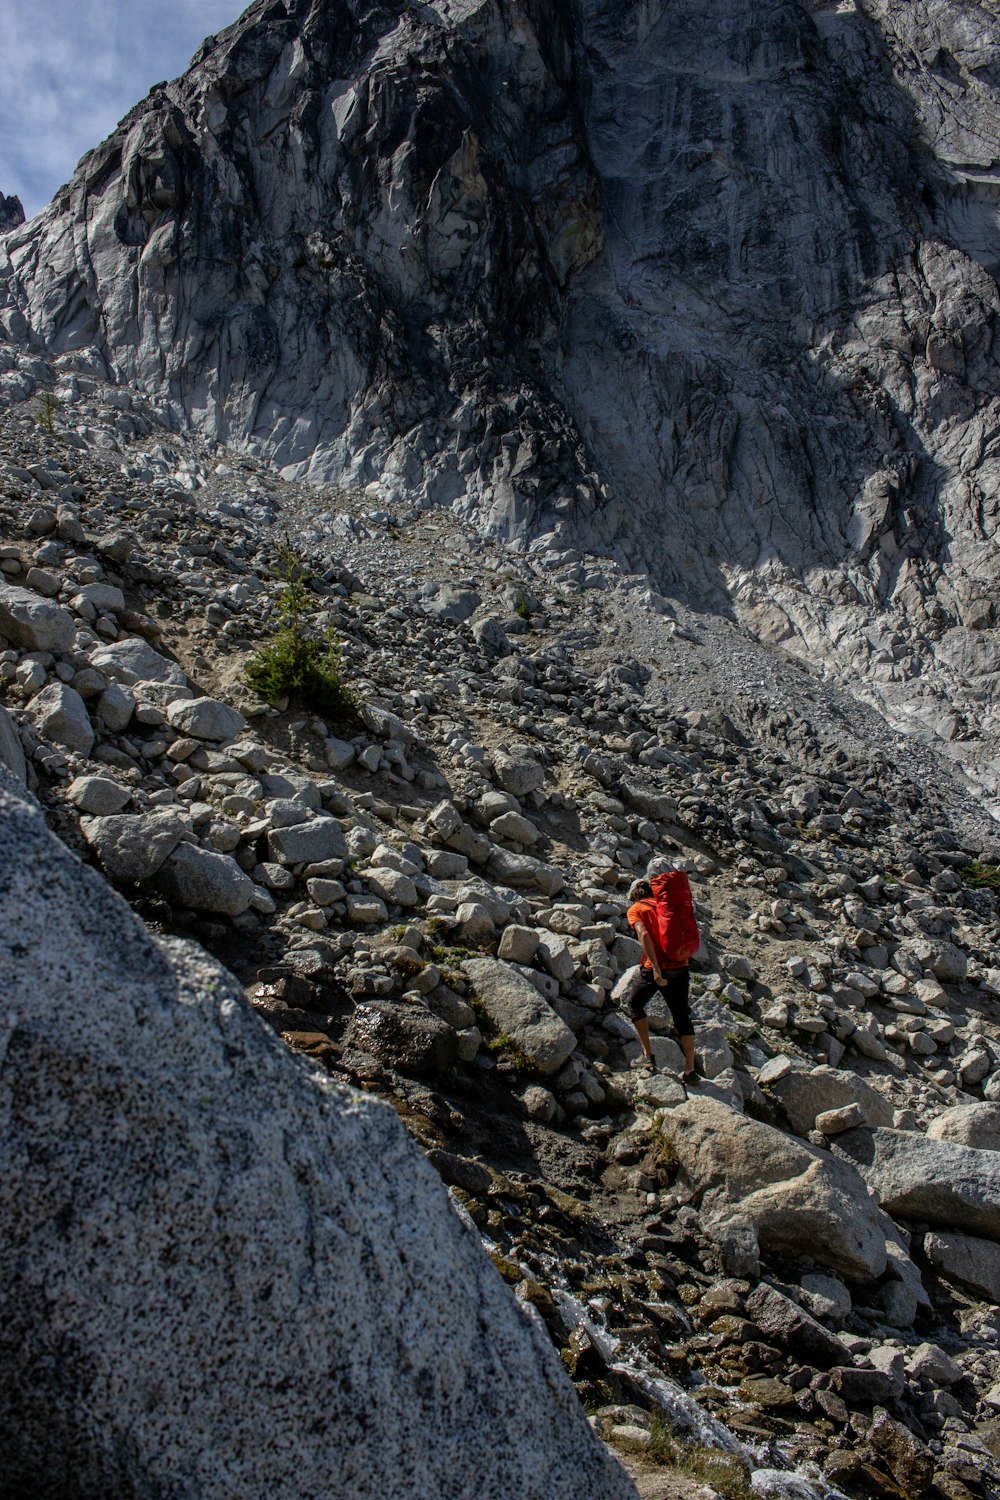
[637, 1013]
[676, 992]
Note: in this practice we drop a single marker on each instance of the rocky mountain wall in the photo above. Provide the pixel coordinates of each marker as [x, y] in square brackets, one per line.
[704, 289]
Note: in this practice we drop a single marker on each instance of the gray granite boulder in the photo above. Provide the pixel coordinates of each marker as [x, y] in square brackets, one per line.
[206, 719]
[101, 796]
[133, 847]
[805, 1094]
[206, 881]
[517, 1010]
[213, 1258]
[60, 715]
[312, 841]
[34, 623]
[935, 1182]
[518, 772]
[523, 870]
[976, 1125]
[972, 1262]
[134, 660]
[801, 1200]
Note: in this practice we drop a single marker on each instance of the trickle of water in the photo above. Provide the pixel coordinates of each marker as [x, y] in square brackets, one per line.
[683, 1413]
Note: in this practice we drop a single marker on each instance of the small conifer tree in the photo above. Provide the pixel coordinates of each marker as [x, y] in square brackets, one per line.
[297, 664]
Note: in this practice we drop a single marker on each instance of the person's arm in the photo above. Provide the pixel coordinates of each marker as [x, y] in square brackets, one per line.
[649, 950]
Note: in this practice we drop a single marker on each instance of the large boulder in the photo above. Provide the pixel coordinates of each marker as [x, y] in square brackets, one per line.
[405, 1037]
[522, 870]
[976, 1125]
[60, 714]
[206, 719]
[206, 881]
[801, 1201]
[783, 1322]
[34, 623]
[935, 1182]
[134, 660]
[518, 772]
[964, 1258]
[223, 1273]
[313, 841]
[804, 1094]
[518, 1010]
[132, 847]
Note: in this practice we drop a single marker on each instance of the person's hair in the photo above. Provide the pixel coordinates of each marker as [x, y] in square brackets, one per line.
[639, 890]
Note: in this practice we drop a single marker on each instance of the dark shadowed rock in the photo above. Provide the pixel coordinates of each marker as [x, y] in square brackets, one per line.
[405, 1037]
[784, 1323]
[11, 213]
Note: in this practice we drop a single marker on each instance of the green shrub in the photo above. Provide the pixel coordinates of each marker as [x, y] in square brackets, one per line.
[296, 664]
[980, 876]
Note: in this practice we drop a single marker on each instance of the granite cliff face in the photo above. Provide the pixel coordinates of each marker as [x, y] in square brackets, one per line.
[704, 289]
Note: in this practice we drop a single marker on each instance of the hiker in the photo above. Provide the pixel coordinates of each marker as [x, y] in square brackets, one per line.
[661, 916]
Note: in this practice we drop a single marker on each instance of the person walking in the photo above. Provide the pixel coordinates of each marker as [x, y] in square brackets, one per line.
[663, 967]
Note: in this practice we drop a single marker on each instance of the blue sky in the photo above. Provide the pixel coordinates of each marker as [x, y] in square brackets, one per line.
[70, 69]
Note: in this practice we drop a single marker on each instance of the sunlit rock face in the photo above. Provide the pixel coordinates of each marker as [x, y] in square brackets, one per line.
[705, 287]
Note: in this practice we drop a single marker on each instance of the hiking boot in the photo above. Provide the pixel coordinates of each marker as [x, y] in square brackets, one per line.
[692, 1077]
[643, 1064]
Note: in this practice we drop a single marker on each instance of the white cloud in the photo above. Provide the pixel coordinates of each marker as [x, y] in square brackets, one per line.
[73, 68]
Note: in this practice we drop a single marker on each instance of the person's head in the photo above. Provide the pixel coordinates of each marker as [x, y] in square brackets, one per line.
[639, 890]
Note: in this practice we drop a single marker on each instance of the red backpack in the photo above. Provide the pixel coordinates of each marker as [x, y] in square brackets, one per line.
[678, 934]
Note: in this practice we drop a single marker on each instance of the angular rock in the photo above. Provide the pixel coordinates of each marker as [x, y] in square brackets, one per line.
[115, 707]
[833, 1121]
[98, 795]
[60, 714]
[516, 827]
[975, 1125]
[134, 660]
[206, 719]
[518, 774]
[518, 945]
[972, 1262]
[131, 848]
[310, 842]
[935, 1182]
[522, 870]
[931, 1362]
[198, 1227]
[799, 1199]
[393, 887]
[517, 1010]
[407, 1038]
[205, 881]
[791, 1327]
[804, 1095]
[34, 623]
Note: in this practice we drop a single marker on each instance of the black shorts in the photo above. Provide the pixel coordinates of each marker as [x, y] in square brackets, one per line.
[675, 989]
